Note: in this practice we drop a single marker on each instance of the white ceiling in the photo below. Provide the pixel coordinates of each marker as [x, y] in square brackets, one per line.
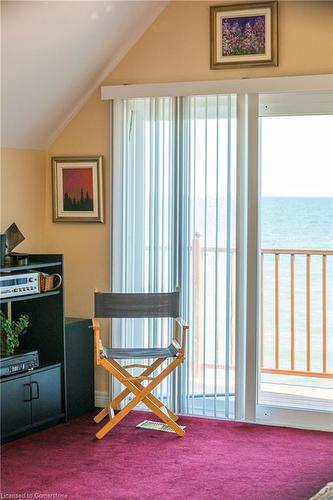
[54, 54]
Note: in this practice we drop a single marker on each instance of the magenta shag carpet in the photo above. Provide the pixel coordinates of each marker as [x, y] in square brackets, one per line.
[215, 460]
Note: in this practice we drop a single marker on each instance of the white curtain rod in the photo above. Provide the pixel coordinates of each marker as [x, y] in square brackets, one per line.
[308, 83]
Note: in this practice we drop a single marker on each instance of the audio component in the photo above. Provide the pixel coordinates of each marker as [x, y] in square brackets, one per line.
[23, 361]
[15, 284]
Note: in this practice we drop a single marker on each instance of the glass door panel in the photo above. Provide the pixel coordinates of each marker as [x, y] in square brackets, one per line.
[174, 215]
[296, 332]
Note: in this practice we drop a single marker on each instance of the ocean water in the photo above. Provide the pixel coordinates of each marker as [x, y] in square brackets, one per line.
[286, 223]
[304, 223]
[297, 223]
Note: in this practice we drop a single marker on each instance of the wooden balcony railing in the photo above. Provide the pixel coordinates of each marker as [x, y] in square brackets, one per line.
[292, 370]
[277, 366]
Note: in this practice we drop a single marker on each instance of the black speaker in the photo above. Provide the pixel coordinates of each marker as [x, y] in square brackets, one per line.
[79, 367]
[3, 241]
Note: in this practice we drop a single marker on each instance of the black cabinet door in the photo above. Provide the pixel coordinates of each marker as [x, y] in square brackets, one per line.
[15, 405]
[45, 394]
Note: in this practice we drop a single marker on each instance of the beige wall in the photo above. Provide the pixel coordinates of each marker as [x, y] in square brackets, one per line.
[23, 195]
[174, 48]
[177, 46]
[86, 246]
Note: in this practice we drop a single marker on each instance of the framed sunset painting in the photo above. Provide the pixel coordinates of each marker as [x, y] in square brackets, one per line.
[244, 35]
[77, 189]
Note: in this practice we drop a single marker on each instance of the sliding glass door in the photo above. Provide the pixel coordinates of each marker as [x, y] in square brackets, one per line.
[174, 225]
[296, 258]
[175, 221]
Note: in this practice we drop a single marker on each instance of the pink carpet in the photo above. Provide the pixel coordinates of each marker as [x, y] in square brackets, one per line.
[215, 460]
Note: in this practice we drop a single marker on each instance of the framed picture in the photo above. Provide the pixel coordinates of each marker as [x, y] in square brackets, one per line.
[244, 35]
[77, 189]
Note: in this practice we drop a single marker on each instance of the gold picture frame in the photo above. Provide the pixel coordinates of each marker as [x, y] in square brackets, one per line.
[244, 35]
[77, 188]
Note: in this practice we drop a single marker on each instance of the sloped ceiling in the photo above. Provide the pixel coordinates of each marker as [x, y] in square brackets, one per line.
[54, 54]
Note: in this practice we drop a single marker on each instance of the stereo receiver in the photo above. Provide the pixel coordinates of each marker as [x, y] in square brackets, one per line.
[15, 284]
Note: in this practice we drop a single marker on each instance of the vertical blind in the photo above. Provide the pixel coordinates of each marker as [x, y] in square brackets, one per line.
[144, 186]
[174, 220]
[208, 253]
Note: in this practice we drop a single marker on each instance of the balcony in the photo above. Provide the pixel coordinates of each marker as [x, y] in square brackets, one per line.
[296, 329]
[296, 350]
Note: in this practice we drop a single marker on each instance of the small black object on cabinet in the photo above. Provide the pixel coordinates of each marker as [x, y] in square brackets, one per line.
[79, 362]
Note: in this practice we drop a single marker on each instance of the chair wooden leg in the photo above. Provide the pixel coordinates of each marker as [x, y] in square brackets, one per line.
[153, 398]
[163, 416]
[123, 394]
[118, 371]
[155, 405]
[122, 414]
[159, 404]
[118, 418]
[102, 414]
[114, 403]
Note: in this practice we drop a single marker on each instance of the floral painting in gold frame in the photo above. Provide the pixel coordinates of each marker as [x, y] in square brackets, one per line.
[244, 35]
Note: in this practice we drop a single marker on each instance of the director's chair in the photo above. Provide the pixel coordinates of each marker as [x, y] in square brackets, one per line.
[139, 305]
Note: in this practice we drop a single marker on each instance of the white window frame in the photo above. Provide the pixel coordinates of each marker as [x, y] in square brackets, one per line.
[309, 83]
[297, 104]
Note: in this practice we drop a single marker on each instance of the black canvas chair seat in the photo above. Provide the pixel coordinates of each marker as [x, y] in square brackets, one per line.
[138, 353]
[163, 360]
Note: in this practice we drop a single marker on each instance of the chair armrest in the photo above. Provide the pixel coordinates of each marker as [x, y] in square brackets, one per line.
[99, 352]
[184, 327]
[181, 323]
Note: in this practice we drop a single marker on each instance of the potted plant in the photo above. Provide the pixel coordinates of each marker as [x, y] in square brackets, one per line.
[10, 332]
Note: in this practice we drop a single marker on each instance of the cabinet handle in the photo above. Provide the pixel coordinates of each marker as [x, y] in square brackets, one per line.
[30, 395]
[37, 385]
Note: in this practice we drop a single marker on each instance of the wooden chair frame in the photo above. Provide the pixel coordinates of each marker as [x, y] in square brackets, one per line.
[133, 384]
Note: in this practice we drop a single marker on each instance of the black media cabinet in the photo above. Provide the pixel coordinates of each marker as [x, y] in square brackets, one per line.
[30, 400]
[38, 398]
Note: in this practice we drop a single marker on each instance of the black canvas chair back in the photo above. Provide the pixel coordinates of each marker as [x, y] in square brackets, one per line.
[137, 305]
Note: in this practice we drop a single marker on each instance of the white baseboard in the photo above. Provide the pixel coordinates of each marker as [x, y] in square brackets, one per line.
[295, 418]
[102, 398]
